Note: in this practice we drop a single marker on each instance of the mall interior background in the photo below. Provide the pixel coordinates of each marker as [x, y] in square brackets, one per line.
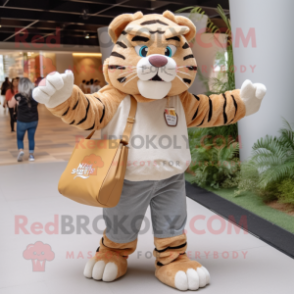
[34, 64]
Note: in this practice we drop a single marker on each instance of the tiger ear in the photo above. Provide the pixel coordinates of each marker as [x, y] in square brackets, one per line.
[120, 22]
[184, 22]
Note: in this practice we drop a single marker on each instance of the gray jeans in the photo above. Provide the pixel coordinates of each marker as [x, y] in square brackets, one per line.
[167, 200]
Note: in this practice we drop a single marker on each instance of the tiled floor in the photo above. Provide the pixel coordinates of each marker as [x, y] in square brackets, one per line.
[239, 263]
[54, 139]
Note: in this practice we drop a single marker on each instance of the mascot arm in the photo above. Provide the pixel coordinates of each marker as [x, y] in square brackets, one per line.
[89, 111]
[223, 109]
[67, 101]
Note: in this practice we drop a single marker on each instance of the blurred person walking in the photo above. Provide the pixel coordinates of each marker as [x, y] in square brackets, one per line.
[10, 101]
[96, 87]
[88, 88]
[83, 86]
[27, 117]
[4, 87]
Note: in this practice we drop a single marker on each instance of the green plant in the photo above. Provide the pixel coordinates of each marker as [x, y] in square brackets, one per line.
[271, 168]
[231, 181]
[275, 157]
[249, 177]
[286, 191]
[214, 158]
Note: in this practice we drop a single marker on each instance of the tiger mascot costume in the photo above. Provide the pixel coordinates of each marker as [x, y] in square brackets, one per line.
[152, 62]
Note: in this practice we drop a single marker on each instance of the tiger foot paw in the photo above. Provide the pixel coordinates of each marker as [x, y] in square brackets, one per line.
[183, 274]
[107, 266]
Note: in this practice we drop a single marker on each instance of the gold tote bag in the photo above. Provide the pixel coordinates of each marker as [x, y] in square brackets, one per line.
[96, 169]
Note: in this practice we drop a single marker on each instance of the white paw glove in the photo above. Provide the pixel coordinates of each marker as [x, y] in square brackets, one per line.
[252, 95]
[54, 89]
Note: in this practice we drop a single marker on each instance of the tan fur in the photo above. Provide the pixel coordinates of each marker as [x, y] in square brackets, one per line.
[182, 22]
[117, 253]
[123, 249]
[173, 26]
[166, 273]
[72, 113]
[168, 255]
[172, 259]
[119, 23]
[218, 113]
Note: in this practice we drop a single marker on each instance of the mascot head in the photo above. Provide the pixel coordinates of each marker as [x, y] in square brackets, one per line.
[151, 58]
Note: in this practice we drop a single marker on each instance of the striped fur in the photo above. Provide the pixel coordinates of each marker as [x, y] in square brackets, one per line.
[89, 111]
[122, 63]
[214, 110]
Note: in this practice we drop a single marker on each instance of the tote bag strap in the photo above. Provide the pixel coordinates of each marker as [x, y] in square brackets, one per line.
[130, 122]
[129, 125]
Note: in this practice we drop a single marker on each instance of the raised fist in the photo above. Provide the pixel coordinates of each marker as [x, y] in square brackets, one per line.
[54, 89]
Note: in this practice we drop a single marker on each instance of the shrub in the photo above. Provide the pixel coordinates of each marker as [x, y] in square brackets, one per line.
[275, 157]
[286, 191]
[214, 157]
[249, 177]
[270, 172]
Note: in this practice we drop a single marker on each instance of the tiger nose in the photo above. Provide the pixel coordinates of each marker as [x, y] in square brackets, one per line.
[158, 61]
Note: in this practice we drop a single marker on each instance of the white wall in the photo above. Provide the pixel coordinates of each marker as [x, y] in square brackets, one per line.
[273, 59]
[64, 61]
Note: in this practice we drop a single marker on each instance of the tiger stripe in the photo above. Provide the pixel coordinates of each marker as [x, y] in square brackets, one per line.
[155, 21]
[236, 106]
[103, 113]
[224, 109]
[116, 67]
[191, 67]
[115, 54]
[86, 115]
[214, 110]
[188, 81]
[121, 44]
[188, 56]
[75, 106]
[65, 112]
[210, 109]
[89, 129]
[121, 80]
[201, 122]
[88, 111]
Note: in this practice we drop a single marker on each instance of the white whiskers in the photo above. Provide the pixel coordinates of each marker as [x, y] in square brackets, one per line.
[182, 72]
[130, 79]
[182, 80]
[129, 74]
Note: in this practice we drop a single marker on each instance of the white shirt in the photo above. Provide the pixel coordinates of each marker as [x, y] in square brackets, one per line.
[157, 151]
